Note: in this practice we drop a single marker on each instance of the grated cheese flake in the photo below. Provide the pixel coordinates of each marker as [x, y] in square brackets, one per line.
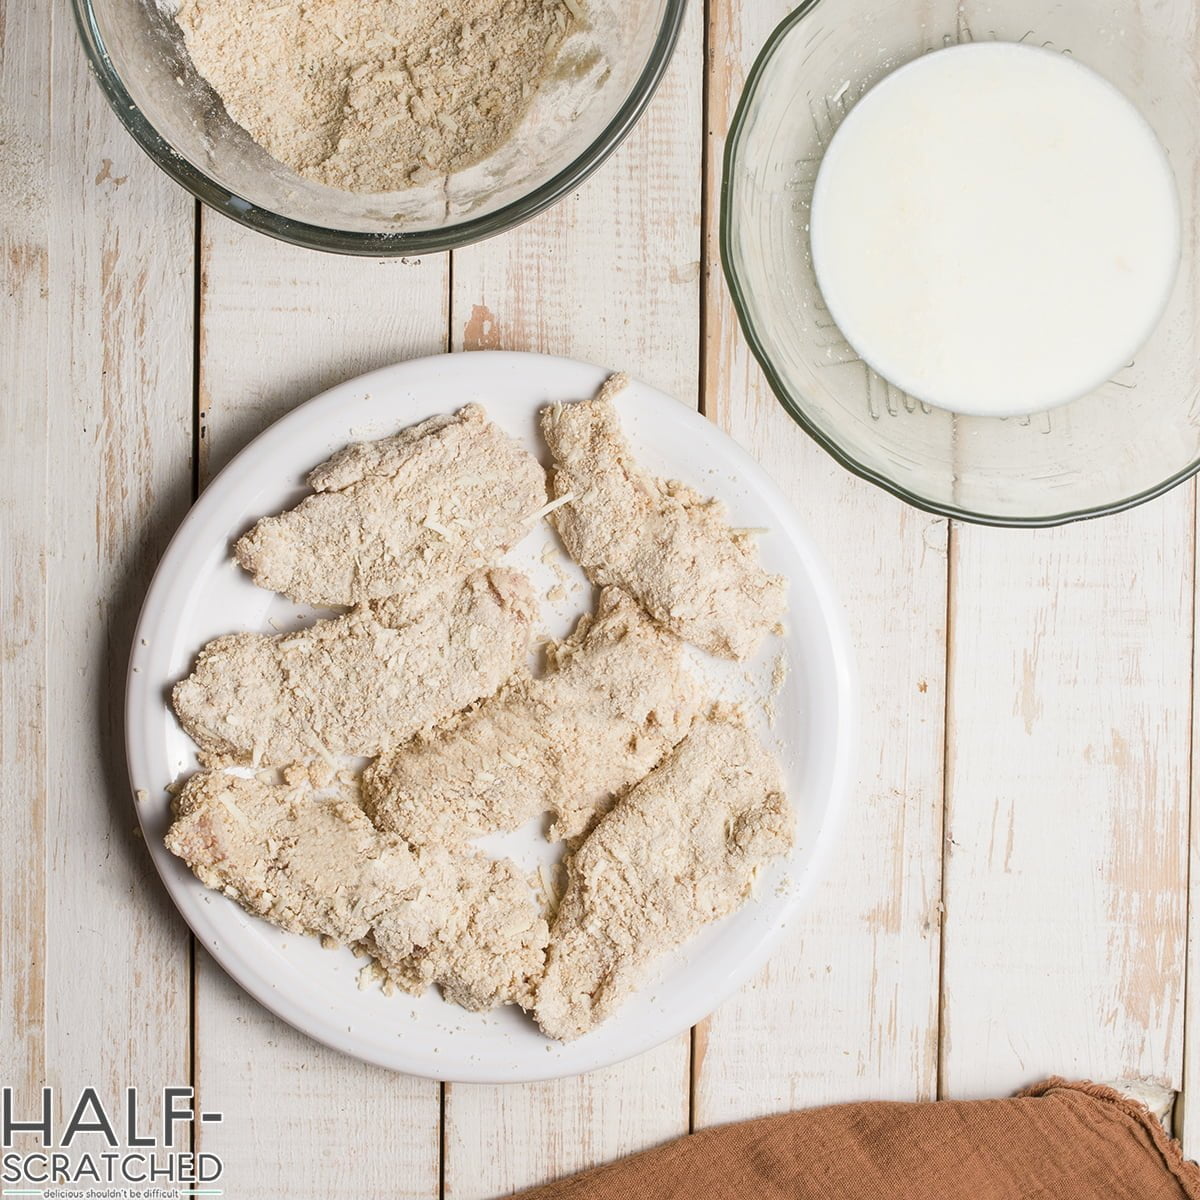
[547, 509]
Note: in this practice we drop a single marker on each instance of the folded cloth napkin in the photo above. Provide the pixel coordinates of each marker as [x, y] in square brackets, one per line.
[1056, 1141]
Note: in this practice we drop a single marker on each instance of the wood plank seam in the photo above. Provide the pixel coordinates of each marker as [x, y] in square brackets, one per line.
[705, 406]
[944, 840]
[847, 1007]
[197, 481]
[279, 324]
[1183, 1127]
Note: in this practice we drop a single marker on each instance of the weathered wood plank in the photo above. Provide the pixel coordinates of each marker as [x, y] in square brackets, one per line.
[1070, 756]
[24, 438]
[610, 276]
[119, 443]
[1067, 815]
[847, 1008]
[278, 325]
[96, 433]
[1187, 1107]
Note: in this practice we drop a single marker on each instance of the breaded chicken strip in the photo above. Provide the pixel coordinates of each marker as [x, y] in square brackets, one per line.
[359, 684]
[614, 700]
[681, 850]
[404, 515]
[672, 549]
[314, 865]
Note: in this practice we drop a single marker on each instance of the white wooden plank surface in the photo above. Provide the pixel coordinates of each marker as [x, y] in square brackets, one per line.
[279, 325]
[1068, 788]
[847, 1008]
[24, 438]
[97, 371]
[119, 443]
[1070, 698]
[1070, 763]
[611, 276]
[1187, 1107]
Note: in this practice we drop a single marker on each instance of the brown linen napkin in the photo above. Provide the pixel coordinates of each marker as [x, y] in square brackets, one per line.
[1055, 1141]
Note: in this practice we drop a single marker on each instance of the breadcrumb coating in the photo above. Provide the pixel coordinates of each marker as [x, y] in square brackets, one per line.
[315, 865]
[407, 514]
[615, 699]
[672, 549]
[681, 850]
[359, 684]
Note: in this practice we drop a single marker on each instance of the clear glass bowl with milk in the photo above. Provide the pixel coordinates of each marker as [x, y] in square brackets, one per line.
[960, 239]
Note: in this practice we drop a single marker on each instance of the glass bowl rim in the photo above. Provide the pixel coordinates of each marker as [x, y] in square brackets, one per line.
[356, 242]
[795, 408]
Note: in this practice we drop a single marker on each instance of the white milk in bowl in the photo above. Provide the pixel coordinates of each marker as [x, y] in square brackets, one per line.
[995, 229]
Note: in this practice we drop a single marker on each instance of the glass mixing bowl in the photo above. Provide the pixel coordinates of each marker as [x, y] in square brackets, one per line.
[1127, 441]
[599, 88]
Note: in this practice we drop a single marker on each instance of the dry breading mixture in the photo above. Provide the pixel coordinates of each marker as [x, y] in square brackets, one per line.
[681, 850]
[359, 684]
[376, 95]
[315, 865]
[614, 700]
[672, 549]
[405, 514]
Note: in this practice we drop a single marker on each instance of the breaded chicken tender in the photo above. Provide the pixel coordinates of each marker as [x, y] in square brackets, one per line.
[672, 549]
[405, 515]
[682, 849]
[315, 865]
[359, 684]
[614, 701]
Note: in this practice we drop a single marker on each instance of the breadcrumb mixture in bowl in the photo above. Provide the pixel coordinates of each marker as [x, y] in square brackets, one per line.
[374, 127]
[371, 95]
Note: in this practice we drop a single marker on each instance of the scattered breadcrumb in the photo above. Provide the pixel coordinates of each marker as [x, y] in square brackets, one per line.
[547, 509]
[779, 674]
[372, 975]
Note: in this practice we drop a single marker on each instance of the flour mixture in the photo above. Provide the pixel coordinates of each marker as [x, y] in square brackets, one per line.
[376, 95]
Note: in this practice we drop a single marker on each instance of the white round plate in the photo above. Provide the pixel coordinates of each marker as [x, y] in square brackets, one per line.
[199, 592]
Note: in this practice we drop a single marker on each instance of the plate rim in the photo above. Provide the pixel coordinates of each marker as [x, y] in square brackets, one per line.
[238, 965]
